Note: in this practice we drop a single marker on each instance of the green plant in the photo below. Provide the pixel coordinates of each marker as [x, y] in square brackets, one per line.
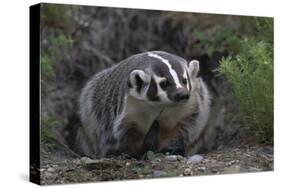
[46, 66]
[218, 39]
[142, 170]
[60, 42]
[150, 155]
[52, 54]
[250, 74]
[48, 136]
[56, 41]
[58, 16]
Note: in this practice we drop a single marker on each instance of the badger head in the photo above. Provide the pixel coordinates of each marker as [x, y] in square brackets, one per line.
[165, 79]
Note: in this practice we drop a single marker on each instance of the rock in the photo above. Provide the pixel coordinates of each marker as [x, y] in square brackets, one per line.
[48, 175]
[230, 163]
[77, 161]
[232, 169]
[214, 170]
[188, 172]
[86, 160]
[202, 168]
[158, 173]
[180, 157]
[194, 159]
[171, 157]
[254, 169]
[51, 169]
[157, 160]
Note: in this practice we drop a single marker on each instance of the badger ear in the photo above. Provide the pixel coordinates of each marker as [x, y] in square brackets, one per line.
[193, 67]
[138, 79]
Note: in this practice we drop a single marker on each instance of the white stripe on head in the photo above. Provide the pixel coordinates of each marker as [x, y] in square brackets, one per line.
[185, 76]
[171, 70]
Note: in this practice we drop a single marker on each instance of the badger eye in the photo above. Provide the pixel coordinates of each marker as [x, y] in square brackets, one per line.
[165, 84]
[184, 81]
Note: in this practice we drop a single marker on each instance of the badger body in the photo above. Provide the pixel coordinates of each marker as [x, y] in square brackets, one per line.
[152, 100]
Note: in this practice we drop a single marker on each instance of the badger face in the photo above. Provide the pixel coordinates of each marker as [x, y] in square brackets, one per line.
[168, 79]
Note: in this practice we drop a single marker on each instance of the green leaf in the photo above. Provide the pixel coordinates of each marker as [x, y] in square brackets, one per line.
[150, 155]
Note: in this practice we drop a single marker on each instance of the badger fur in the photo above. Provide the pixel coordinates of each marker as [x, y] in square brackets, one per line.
[153, 100]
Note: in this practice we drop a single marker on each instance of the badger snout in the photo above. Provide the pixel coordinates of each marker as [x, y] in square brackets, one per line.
[181, 95]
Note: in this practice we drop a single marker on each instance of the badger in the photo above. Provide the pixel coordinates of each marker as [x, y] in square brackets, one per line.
[150, 101]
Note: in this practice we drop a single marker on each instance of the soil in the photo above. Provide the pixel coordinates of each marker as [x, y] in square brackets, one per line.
[56, 169]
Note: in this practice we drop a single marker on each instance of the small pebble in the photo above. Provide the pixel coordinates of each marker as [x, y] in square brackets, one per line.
[254, 169]
[214, 170]
[158, 160]
[48, 175]
[188, 172]
[232, 169]
[51, 169]
[158, 173]
[180, 157]
[171, 157]
[230, 163]
[87, 160]
[194, 159]
[201, 168]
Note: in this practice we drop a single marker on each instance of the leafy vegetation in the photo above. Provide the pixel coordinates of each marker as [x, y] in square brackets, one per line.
[48, 136]
[218, 40]
[54, 43]
[143, 170]
[53, 54]
[250, 74]
[57, 16]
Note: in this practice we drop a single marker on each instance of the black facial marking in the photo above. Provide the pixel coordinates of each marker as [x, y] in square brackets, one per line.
[164, 84]
[152, 91]
[139, 83]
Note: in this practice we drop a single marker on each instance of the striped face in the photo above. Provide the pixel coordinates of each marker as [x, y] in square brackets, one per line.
[168, 81]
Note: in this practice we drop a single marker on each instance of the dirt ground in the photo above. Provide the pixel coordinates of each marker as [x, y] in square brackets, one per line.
[224, 160]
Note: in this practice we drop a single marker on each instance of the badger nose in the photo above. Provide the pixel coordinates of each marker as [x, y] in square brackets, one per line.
[181, 95]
